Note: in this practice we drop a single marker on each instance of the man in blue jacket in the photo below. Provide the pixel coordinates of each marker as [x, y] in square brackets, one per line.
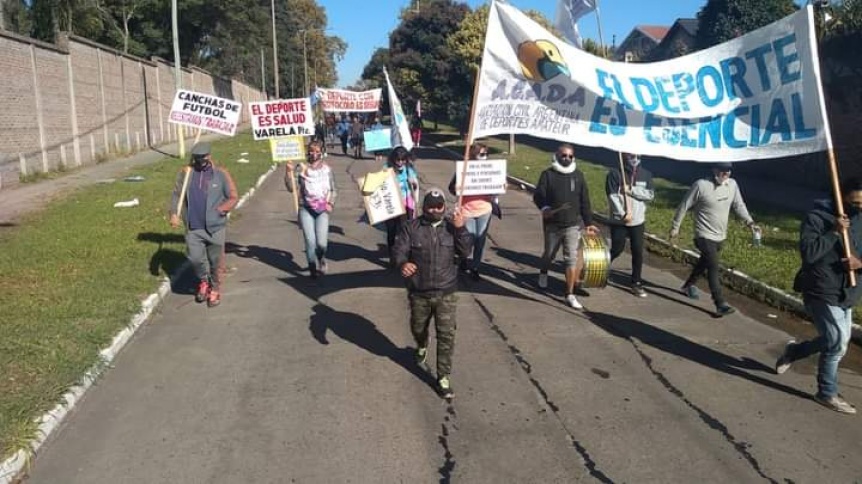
[824, 283]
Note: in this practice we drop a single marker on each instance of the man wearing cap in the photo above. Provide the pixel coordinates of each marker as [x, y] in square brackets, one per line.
[711, 200]
[206, 193]
[425, 250]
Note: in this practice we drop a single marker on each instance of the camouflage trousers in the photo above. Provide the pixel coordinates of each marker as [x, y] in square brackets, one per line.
[442, 308]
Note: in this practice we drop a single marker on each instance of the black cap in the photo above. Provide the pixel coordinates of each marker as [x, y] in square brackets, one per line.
[723, 166]
[201, 149]
[434, 198]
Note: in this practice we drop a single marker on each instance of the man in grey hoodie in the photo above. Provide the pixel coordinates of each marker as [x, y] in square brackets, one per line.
[711, 201]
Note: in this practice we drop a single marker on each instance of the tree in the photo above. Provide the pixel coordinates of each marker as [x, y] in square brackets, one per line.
[422, 65]
[597, 50]
[372, 73]
[16, 16]
[723, 20]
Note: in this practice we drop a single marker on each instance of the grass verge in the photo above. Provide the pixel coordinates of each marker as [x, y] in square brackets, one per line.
[74, 274]
[774, 263]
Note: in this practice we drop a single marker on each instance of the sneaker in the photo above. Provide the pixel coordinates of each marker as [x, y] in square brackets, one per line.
[690, 291]
[724, 310]
[784, 362]
[312, 270]
[420, 355]
[638, 290]
[445, 387]
[543, 280]
[323, 267]
[202, 292]
[213, 299]
[835, 403]
[573, 302]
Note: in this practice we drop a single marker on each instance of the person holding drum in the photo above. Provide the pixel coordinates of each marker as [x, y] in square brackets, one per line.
[711, 199]
[628, 193]
[564, 200]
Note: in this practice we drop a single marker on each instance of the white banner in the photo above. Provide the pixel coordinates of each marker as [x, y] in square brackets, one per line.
[757, 96]
[205, 111]
[483, 177]
[280, 118]
[401, 133]
[339, 100]
[384, 201]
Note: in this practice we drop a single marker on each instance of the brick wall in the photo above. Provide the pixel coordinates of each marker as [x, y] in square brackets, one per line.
[77, 102]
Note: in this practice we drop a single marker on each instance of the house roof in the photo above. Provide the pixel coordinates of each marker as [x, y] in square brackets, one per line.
[689, 24]
[655, 32]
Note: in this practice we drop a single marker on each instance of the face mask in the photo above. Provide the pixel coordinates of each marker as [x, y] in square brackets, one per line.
[434, 216]
[314, 157]
[481, 157]
[200, 164]
[634, 161]
[853, 211]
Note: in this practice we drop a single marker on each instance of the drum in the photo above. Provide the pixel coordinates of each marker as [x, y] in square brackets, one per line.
[596, 258]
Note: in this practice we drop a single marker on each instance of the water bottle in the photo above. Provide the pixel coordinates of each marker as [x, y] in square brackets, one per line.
[756, 236]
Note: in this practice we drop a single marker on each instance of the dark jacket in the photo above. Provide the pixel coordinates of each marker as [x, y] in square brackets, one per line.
[822, 275]
[433, 251]
[221, 197]
[555, 188]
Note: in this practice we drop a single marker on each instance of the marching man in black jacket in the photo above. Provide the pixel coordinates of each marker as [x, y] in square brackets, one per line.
[425, 250]
[564, 200]
[824, 283]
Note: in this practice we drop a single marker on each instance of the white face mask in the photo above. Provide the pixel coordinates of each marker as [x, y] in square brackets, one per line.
[481, 157]
[634, 161]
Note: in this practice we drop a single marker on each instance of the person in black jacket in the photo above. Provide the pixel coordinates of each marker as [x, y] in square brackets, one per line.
[425, 250]
[823, 281]
[564, 200]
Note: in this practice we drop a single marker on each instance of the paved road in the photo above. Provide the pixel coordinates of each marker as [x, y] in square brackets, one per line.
[292, 380]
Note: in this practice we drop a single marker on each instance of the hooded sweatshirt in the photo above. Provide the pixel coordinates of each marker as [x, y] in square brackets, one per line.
[822, 275]
[639, 181]
[559, 185]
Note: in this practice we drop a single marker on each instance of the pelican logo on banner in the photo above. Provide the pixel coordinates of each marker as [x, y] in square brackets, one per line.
[757, 96]
[205, 111]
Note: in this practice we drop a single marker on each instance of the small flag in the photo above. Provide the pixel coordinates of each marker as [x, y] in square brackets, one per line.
[568, 14]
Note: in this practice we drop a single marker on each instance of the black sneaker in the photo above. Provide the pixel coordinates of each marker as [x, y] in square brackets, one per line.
[724, 310]
[784, 361]
[444, 386]
[312, 269]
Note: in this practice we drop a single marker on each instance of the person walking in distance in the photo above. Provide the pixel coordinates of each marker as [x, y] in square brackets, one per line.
[711, 200]
[343, 131]
[564, 199]
[824, 283]
[357, 128]
[628, 194]
[425, 251]
[205, 194]
[316, 184]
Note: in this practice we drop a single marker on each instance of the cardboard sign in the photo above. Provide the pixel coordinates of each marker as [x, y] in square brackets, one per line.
[484, 177]
[281, 117]
[205, 111]
[339, 100]
[378, 139]
[382, 202]
[291, 148]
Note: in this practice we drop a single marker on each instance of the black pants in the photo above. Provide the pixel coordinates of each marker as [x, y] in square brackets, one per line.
[635, 234]
[709, 259]
[344, 143]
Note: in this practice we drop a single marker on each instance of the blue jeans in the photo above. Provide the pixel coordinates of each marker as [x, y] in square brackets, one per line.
[478, 226]
[833, 325]
[315, 228]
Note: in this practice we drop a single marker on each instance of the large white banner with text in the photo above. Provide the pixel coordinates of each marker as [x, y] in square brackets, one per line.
[757, 96]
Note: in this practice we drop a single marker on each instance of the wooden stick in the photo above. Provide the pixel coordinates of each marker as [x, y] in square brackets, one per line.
[625, 185]
[184, 190]
[839, 207]
[469, 140]
[197, 137]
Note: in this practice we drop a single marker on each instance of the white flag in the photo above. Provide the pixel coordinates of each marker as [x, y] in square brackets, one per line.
[401, 133]
[568, 14]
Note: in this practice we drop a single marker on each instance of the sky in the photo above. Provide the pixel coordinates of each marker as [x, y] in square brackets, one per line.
[365, 26]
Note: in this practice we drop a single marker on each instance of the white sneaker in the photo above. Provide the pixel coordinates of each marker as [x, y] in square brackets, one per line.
[573, 302]
[543, 280]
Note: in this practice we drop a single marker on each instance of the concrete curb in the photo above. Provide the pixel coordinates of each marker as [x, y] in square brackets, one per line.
[739, 281]
[11, 468]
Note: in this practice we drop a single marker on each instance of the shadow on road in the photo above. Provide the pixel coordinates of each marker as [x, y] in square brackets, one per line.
[363, 333]
[638, 332]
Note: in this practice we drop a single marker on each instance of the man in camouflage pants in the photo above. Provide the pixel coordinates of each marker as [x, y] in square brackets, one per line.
[425, 251]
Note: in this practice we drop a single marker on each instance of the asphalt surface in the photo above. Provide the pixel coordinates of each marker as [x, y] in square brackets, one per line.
[294, 380]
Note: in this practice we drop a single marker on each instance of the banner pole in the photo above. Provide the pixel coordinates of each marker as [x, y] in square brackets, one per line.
[182, 199]
[469, 141]
[625, 185]
[827, 131]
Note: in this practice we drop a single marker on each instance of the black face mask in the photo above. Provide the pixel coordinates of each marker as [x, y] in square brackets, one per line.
[434, 216]
[200, 164]
[852, 211]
